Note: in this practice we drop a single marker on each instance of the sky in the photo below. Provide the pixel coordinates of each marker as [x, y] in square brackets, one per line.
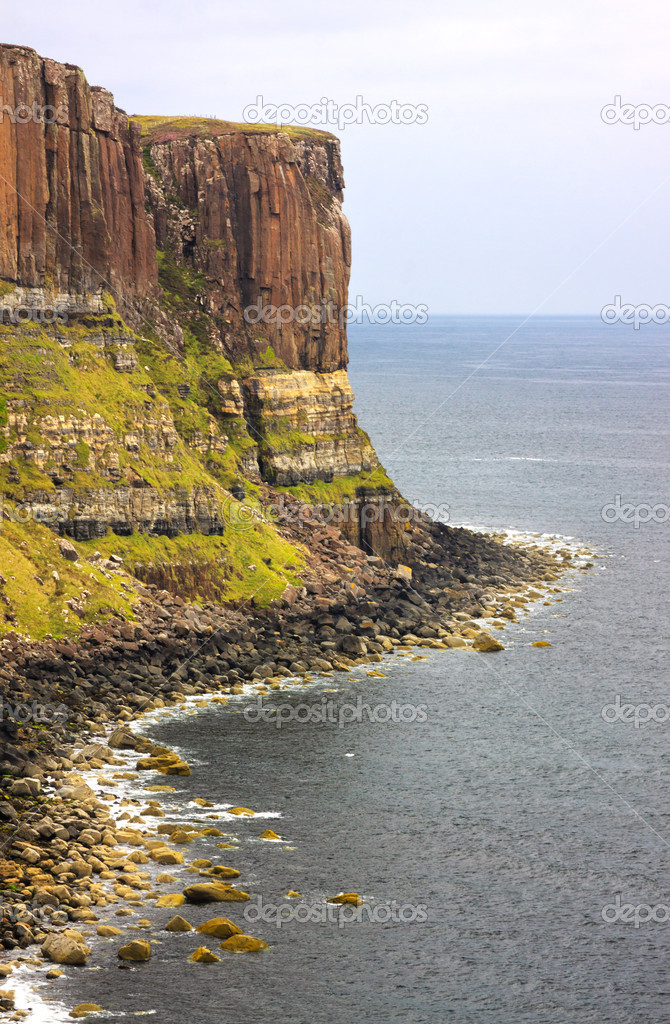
[513, 196]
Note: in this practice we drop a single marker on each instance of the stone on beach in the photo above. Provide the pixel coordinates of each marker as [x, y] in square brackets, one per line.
[85, 1009]
[219, 927]
[171, 899]
[243, 944]
[202, 955]
[179, 924]
[486, 643]
[203, 892]
[137, 951]
[219, 871]
[164, 856]
[63, 950]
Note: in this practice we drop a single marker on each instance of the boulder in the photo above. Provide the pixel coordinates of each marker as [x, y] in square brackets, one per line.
[486, 643]
[164, 856]
[67, 549]
[138, 950]
[219, 927]
[243, 944]
[179, 924]
[349, 898]
[204, 892]
[171, 899]
[25, 787]
[223, 872]
[6, 999]
[85, 1009]
[202, 955]
[63, 950]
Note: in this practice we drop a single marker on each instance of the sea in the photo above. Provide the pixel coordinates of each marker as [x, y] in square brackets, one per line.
[507, 821]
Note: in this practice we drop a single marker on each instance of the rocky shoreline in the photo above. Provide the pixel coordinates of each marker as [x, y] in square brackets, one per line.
[64, 857]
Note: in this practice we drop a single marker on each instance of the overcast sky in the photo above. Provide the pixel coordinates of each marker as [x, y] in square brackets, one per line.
[513, 197]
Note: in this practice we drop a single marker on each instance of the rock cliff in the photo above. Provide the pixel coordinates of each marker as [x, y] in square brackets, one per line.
[173, 339]
[72, 217]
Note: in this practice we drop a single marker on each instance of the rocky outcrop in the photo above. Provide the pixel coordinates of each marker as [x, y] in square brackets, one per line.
[260, 216]
[305, 426]
[199, 272]
[72, 215]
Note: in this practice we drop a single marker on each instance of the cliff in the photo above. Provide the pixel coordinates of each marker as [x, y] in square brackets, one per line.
[72, 217]
[155, 382]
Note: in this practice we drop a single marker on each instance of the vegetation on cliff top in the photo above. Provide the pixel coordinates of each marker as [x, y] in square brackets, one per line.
[167, 129]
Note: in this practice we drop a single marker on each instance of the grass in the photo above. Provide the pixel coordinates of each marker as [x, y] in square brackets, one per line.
[167, 129]
[29, 557]
[341, 488]
[249, 561]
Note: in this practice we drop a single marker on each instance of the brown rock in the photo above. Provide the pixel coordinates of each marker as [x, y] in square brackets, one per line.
[203, 892]
[219, 927]
[137, 950]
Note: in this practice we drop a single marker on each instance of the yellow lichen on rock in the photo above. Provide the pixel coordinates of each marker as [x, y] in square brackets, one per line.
[164, 856]
[222, 872]
[203, 892]
[244, 812]
[171, 899]
[178, 924]
[219, 927]
[243, 944]
[84, 1009]
[180, 836]
[351, 898]
[486, 643]
[202, 955]
[541, 643]
[269, 834]
[138, 950]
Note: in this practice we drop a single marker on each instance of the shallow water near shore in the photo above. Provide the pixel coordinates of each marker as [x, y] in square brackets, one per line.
[514, 813]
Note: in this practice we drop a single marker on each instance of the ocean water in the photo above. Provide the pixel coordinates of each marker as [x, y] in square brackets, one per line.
[509, 813]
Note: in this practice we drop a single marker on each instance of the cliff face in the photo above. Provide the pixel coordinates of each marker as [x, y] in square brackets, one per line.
[72, 215]
[260, 216]
[167, 391]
